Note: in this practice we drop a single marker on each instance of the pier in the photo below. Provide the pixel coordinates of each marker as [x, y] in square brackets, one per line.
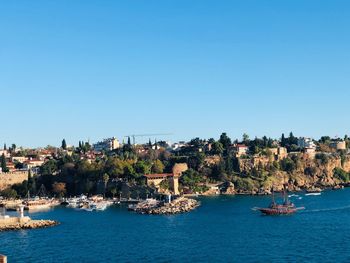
[3, 259]
[21, 222]
[154, 207]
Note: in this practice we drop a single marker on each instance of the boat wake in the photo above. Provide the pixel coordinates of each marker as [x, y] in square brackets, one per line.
[313, 194]
[293, 195]
[326, 209]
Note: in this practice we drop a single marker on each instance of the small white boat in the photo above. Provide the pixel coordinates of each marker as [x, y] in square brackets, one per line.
[312, 194]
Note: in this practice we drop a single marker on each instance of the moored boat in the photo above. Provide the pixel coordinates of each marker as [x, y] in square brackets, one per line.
[37, 204]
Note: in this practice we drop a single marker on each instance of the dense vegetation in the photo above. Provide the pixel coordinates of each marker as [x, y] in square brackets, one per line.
[111, 172]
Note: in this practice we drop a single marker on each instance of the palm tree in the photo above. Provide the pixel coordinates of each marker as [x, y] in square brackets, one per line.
[105, 180]
[114, 191]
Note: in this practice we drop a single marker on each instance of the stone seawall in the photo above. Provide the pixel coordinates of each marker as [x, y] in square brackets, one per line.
[180, 205]
[24, 223]
[9, 179]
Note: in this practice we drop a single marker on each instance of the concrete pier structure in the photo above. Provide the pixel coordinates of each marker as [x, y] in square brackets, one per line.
[3, 259]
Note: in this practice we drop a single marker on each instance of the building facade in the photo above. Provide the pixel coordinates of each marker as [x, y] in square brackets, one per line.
[109, 144]
[154, 180]
[306, 143]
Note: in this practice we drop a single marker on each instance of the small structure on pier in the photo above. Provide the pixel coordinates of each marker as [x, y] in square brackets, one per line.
[156, 179]
[6, 219]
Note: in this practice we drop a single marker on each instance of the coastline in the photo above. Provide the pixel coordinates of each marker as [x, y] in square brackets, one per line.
[253, 193]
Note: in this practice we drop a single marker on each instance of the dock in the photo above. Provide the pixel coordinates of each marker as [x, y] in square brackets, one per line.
[8, 223]
[3, 259]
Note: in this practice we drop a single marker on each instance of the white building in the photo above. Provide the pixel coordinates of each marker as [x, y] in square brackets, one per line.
[32, 163]
[107, 145]
[306, 143]
[6, 153]
[20, 159]
[178, 145]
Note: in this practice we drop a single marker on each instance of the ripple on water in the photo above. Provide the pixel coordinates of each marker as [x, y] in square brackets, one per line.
[223, 229]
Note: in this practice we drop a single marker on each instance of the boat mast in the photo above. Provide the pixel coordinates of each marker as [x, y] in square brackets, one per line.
[285, 193]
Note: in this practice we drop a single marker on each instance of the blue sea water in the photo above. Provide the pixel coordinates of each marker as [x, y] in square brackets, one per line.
[223, 229]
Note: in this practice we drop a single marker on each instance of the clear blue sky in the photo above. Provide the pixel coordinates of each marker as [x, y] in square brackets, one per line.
[94, 69]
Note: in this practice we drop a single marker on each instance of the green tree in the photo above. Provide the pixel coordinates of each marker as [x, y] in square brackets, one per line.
[114, 191]
[292, 139]
[13, 147]
[245, 138]
[158, 166]
[9, 193]
[288, 165]
[3, 164]
[225, 140]
[105, 181]
[325, 139]
[341, 174]
[59, 189]
[49, 168]
[283, 140]
[31, 182]
[196, 161]
[217, 148]
[191, 179]
[64, 144]
[142, 167]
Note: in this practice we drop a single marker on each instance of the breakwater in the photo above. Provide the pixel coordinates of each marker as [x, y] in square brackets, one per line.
[180, 205]
[8, 225]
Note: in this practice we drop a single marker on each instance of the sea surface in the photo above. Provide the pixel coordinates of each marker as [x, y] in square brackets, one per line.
[222, 229]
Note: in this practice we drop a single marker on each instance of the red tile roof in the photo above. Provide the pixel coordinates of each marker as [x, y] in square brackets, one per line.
[150, 176]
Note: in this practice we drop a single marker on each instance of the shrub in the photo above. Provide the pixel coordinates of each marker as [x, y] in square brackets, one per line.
[323, 158]
[288, 165]
[341, 174]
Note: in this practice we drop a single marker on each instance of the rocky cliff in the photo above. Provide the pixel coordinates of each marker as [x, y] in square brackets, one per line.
[9, 179]
[300, 172]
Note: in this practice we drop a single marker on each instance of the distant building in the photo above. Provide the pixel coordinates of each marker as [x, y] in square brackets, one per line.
[306, 143]
[156, 179]
[10, 166]
[6, 153]
[310, 151]
[279, 153]
[109, 144]
[32, 163]
[19, 159]
[241, 149]
[177, 146]
[338, 145]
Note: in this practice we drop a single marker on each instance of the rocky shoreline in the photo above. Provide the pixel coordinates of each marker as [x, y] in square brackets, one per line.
[178, 206]
[32, 224]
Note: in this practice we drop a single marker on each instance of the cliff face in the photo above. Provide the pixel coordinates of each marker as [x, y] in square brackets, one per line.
[307, 173]
[9, 179]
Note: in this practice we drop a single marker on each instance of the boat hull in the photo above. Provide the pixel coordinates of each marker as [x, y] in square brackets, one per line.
[278, 211]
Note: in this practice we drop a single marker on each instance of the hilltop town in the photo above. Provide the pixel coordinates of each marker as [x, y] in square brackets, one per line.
[200, 166]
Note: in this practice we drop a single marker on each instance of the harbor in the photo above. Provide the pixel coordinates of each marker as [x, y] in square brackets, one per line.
[204, 234]
[172, 205]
